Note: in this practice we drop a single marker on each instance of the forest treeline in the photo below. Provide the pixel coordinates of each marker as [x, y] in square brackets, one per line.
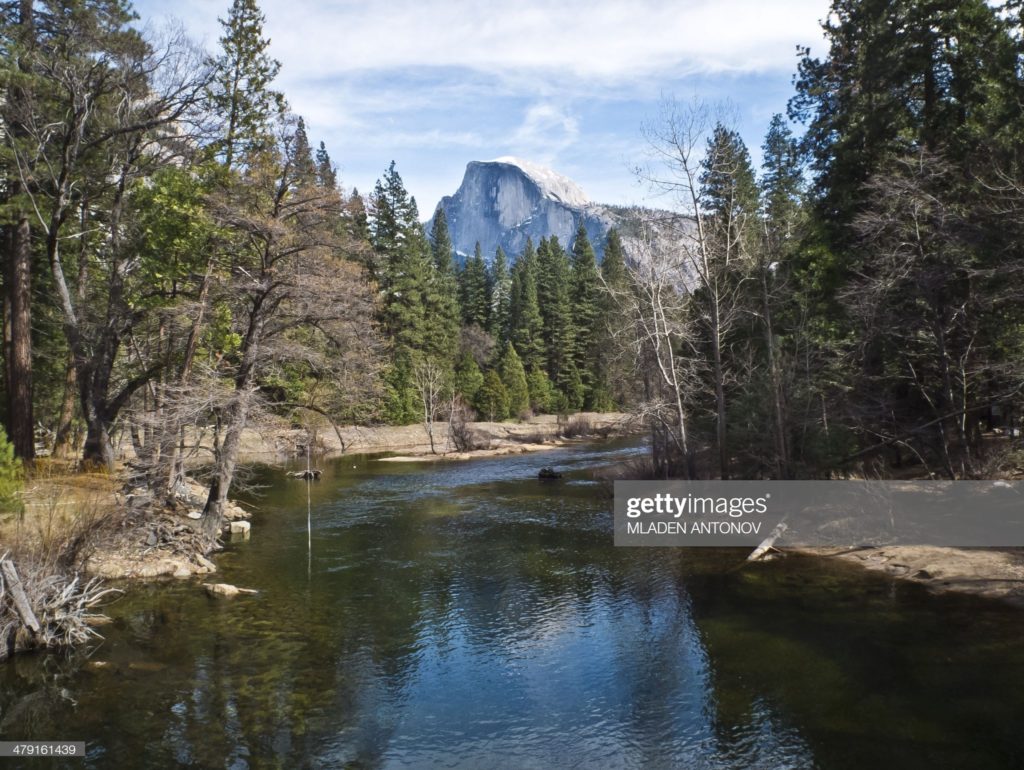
[179, 258]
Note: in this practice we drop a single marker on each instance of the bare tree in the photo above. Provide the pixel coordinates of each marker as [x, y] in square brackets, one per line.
[659, 331]
[287, 274]
[711, 247]
[432, 386]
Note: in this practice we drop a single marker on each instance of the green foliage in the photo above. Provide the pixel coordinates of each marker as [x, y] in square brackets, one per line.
[492, 398]
[401, 402]
[468, 377]
[241, 92]
[554, 286]
[501, 297]
[542, 392]
[513, 376]
[11, 476]
[474, 292]
[417, 313]
[586, 293]
[526, 325]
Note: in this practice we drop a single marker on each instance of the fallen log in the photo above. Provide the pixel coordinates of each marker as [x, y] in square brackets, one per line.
[767, 544]
[226, 589]
[18, 596]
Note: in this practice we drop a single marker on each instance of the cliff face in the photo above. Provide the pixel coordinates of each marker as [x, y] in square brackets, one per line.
[503, 202]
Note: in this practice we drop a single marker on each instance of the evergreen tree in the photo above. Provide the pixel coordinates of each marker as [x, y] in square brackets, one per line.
[781, 180]
[541, 390]
[441, 244]
[474, 292]
[611, 380]
[410, 293]
[501, 297]
[10, 477]
[444, 310]
[468, 377]
[586, 299]
[492, 398]
[902, 75]
[513, 376]
[326, 174]
[241, 90]
[729, 194]
[302, 156]
[526, 325]
[554, 297]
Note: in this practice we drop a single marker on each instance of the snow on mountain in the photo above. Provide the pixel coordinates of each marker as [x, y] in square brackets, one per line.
[552, 184]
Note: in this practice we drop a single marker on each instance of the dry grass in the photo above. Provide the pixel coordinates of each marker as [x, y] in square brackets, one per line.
[63, 512]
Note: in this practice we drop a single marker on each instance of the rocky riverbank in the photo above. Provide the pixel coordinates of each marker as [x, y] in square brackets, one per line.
[149, 543]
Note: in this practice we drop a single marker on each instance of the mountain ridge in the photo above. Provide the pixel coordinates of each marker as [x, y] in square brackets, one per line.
[505, 201]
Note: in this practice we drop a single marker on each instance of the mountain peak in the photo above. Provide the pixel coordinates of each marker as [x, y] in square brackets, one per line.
[551, 183]
[506, 201]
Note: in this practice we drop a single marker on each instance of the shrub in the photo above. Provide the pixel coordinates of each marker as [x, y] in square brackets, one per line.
[10, 477]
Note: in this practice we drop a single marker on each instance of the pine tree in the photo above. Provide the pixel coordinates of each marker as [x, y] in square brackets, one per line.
[474, 292]
[302, 156]
[586, 298]
[513, 376]
[326, 174]
[444, 310]
[468, 377]
[410, 293]
[554, 298]
[611, 383]
[541, 390]
[501, 297]
[241, 90]
[781, 180]
[526, 325]
[492, 398]
[730, 195]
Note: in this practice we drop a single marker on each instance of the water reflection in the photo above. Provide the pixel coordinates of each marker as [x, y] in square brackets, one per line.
[465, 615]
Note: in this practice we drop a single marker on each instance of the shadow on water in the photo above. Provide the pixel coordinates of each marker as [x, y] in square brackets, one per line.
[467, 615]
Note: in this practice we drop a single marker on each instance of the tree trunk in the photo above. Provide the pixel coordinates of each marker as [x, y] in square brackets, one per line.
[18, 284]
[62, 444]
[719, 375]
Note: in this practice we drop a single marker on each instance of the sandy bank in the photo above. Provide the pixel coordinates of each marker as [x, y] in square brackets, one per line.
[996, 573]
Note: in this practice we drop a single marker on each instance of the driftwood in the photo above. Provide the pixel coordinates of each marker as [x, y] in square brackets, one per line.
[767, 544]
[226, 589]
[44, 610]
[18, 596]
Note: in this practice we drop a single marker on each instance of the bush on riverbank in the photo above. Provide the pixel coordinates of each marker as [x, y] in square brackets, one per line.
[10, 477]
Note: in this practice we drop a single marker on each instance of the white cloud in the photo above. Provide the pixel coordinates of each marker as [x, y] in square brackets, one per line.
[613, 40]
[545, 131]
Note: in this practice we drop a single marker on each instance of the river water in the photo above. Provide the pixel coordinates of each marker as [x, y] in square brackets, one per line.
[467, 615]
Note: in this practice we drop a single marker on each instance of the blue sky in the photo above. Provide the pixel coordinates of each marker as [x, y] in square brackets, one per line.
[565, 83]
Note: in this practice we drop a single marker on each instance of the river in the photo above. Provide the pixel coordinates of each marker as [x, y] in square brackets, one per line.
[467, 615]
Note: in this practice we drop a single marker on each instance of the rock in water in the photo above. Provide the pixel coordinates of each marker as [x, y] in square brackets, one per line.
[505, 201]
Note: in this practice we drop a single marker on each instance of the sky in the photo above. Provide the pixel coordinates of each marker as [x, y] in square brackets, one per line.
[569, 84]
